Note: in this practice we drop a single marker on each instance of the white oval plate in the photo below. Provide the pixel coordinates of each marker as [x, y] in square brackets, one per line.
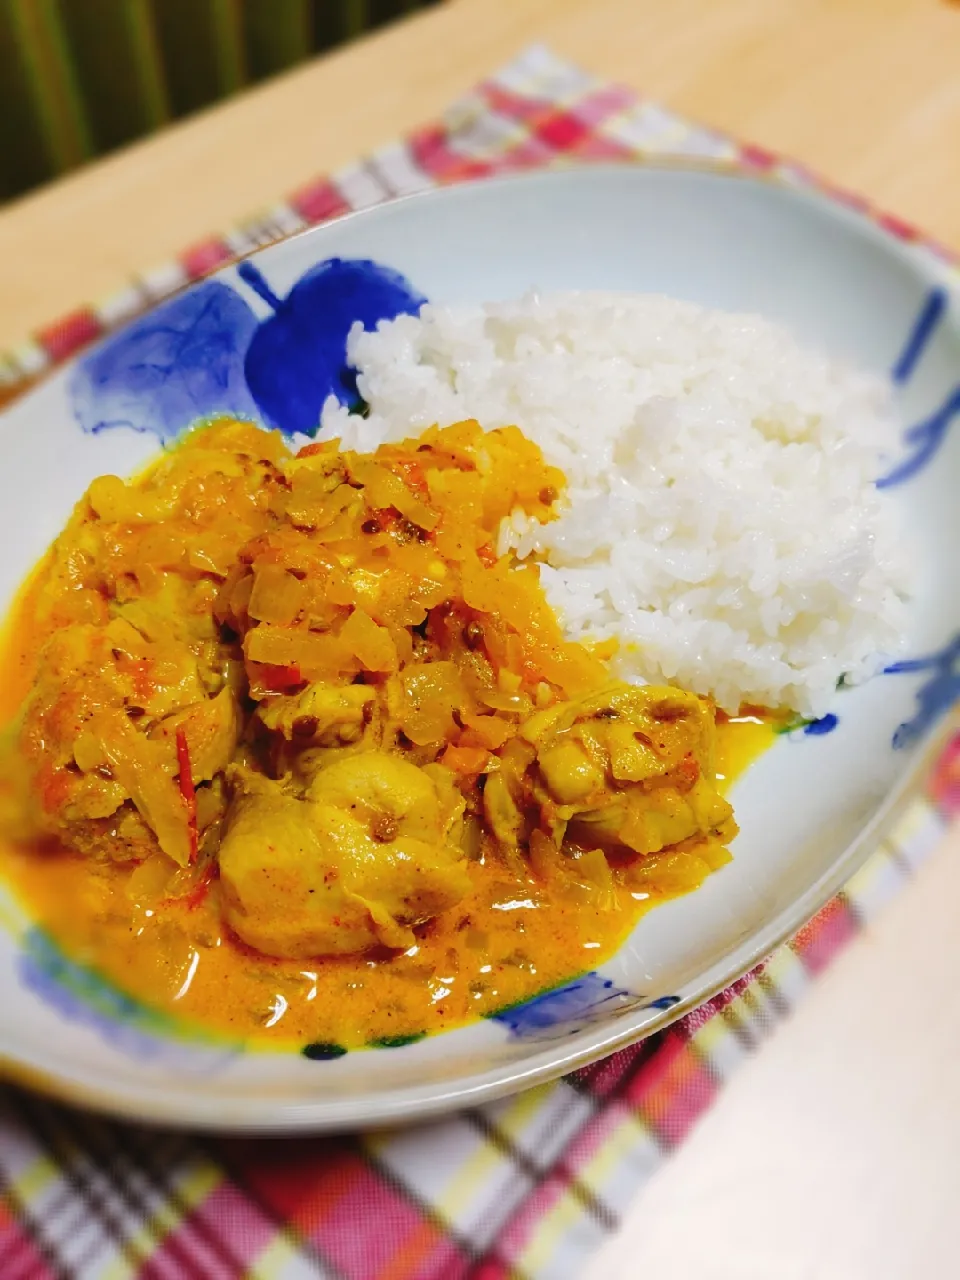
[809, 810]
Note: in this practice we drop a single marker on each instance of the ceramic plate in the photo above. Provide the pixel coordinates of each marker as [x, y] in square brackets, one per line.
[245, 341]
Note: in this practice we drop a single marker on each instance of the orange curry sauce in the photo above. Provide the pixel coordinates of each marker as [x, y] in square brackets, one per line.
[494, 949]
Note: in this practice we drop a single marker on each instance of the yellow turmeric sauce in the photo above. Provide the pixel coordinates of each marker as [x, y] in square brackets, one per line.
[489, 952]
[506, 940]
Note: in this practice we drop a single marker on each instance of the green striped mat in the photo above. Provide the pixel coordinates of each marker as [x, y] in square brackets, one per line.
[80, 77]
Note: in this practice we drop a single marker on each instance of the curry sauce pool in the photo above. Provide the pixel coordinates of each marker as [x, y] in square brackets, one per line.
[302, 760]
[507, 943]
[499, 949]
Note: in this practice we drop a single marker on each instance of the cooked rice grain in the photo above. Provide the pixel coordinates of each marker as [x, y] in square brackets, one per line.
[721, 519]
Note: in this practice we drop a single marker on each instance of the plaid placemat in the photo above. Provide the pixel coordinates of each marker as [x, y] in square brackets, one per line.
[524, 1188]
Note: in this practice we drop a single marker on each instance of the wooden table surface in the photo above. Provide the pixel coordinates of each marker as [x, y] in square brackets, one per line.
[834, 1151]
[867, 91]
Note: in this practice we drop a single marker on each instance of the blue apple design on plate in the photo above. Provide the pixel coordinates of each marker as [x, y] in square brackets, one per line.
[203, 353]
[179, 362]
[298, 357]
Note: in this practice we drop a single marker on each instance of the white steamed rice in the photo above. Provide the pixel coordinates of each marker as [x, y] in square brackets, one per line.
[721, 520]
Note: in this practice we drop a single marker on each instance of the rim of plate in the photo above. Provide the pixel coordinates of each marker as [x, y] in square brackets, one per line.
[862, 218]
[158, 1105]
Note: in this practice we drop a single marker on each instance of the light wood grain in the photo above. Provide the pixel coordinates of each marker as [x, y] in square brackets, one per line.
[867, 91]
[833, 1153]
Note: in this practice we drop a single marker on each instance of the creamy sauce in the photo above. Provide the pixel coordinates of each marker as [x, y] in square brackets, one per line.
[505, 943]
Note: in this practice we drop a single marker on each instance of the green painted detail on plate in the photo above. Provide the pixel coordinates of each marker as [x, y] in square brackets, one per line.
[323, 1051]
[788, 726]
[396, 1042]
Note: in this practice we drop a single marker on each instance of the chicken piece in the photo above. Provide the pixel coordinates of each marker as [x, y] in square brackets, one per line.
[371, 852]
[323, 724]
[211, 729]
[648, 821]
[99, 734]
[136, 764]
[628, 767]
[323, 715]
[391, 796]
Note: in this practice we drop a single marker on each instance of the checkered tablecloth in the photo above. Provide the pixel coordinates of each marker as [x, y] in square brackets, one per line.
[526, 1187]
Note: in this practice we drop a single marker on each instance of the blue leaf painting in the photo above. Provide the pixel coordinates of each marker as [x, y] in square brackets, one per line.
[181, 362]
[298, 356]
[925, 326]
[824, 725]
[563, 1012]
[924, 441]
[203, 354]
[936, 695]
